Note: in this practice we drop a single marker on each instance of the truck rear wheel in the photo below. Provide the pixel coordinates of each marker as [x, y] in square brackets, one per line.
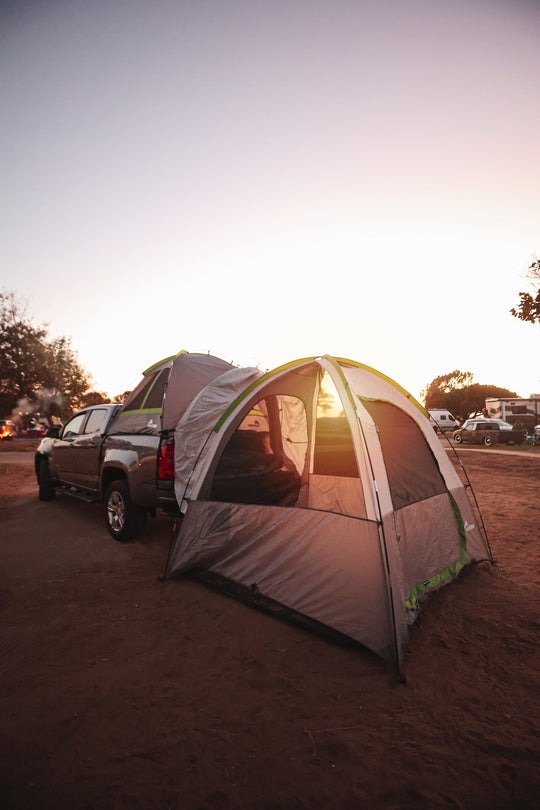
[124, 519]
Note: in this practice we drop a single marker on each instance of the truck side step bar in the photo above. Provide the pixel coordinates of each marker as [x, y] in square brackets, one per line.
[81, 494]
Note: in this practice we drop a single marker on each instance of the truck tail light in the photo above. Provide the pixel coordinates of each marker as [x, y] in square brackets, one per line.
[165, 468]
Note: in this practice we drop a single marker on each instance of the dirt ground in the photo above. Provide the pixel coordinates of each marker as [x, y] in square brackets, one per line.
[118, 690]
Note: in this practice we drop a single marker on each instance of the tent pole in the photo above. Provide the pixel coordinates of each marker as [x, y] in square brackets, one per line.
[382, 536]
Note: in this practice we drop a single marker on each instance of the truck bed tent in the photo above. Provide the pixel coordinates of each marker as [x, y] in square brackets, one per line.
[165, 391]
[322, 486]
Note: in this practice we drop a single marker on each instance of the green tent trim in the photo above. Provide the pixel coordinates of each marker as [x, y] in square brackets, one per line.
[140, 410]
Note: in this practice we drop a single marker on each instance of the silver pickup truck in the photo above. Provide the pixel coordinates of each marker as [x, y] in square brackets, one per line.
[123, 455]
[132, 474]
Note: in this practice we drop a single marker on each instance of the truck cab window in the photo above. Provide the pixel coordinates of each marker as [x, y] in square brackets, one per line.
[74, 425]
[96, 421]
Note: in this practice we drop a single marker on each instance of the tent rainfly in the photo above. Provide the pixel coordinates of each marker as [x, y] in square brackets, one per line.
[322, 486]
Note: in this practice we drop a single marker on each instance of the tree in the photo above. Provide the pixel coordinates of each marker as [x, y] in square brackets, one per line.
[37, 373]
[528, 308]
[457, 393]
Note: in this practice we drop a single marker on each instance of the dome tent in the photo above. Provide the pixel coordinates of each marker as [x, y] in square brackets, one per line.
[322, 486]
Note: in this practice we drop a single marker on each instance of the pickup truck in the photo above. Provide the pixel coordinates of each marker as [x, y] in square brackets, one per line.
[123, 455]
[132, 474]
[486, 432]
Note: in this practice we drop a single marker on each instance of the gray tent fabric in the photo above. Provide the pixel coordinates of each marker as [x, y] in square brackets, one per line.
[323, 486]
[190, 373]
[323, 565]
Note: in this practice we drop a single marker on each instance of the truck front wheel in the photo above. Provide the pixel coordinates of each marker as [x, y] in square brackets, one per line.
[124, 519]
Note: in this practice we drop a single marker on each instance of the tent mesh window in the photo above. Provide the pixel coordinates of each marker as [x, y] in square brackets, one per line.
[413, 473]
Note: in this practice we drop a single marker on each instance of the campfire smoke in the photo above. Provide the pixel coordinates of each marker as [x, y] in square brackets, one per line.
[38, 409]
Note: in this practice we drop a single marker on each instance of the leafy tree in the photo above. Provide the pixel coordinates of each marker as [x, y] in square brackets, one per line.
[528, 308]
[37, 373]
[457, 393]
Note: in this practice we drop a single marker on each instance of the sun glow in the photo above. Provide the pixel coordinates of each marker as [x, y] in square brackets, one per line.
[328, 404]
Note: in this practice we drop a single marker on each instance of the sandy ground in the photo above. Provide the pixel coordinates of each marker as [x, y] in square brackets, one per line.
[118, 690]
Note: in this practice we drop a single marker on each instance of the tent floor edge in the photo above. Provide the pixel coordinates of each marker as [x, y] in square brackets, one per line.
[253, 598]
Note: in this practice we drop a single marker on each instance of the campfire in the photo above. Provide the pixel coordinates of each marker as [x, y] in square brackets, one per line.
[7, 431]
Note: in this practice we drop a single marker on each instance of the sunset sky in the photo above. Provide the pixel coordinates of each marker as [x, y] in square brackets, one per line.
[273, 180]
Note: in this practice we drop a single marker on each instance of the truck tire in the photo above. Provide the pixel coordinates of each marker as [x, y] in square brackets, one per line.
[124, 519]
[486, 440]
[46, 487]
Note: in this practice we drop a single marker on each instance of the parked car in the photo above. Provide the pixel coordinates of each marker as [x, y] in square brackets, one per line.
[36, 431]
[487, 432]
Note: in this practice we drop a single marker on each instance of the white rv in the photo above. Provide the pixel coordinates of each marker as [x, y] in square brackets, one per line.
[516, 409]
[443, 420]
